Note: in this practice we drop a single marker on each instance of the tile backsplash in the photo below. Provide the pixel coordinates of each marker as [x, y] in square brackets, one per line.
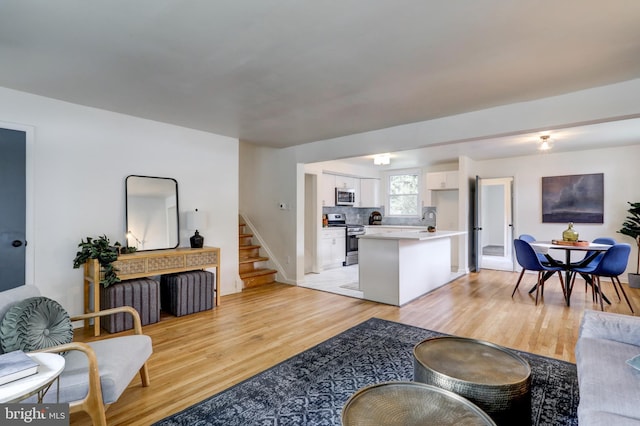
[360, 216]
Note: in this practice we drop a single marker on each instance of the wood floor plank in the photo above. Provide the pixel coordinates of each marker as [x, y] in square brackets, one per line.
[198, 355]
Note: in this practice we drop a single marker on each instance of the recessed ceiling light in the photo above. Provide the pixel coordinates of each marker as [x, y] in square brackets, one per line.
[382, 159]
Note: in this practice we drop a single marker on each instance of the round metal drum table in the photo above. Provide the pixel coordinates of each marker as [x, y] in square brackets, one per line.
[410, 404]
[494, 378]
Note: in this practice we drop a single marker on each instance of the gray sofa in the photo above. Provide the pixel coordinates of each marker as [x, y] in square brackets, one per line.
[609, 387]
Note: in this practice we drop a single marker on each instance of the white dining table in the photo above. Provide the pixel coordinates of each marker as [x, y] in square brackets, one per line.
[544, 247]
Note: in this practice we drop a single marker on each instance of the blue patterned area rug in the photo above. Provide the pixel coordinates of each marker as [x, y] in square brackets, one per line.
[312, 387]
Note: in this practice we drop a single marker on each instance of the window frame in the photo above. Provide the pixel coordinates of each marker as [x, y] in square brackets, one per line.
[418, 194]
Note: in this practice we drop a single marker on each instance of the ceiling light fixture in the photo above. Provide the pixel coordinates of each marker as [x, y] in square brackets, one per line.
[382, 159]
[546, 143]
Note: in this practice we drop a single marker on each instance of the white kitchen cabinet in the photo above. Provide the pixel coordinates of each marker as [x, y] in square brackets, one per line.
[398, 268]
[346, 182]
[369, 193]
[358, 200]
[442, 180]
[328, 186]
[332, 247]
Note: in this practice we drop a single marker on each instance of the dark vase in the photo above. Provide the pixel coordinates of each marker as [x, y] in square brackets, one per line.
[196, 240]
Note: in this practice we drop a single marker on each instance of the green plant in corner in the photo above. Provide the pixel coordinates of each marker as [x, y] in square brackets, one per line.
[100, 249]
[631, 228]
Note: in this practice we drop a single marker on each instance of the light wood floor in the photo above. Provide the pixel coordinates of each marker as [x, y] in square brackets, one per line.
[198, 355]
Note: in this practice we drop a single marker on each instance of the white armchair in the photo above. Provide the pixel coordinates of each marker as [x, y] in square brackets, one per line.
[95, 373]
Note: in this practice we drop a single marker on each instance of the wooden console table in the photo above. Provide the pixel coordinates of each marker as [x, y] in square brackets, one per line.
[147, 264]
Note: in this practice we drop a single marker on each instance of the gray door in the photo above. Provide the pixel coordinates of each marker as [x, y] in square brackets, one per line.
[12, 208]
[476, 235]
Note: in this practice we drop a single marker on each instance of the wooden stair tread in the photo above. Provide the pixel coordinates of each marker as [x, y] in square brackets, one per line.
[252, 259]
[257, 273]
[249, 256]
[251, 246]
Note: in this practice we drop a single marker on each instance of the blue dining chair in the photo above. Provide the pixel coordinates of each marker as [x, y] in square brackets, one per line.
[586, 262]
[529, 238]
[612, 264]
[588, 254]
[529, 260]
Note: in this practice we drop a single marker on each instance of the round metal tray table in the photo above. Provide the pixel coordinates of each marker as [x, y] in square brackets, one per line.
[410, 404]
[494, 378]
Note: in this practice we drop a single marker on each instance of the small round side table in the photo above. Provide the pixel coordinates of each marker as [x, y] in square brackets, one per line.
[51, 365]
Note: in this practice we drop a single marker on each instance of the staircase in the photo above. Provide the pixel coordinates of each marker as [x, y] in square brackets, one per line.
[251, 272]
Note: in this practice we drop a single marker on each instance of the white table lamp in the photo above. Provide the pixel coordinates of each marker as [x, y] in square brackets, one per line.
[196, 221]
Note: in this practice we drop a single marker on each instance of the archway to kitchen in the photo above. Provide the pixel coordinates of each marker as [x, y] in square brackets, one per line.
[327, 243]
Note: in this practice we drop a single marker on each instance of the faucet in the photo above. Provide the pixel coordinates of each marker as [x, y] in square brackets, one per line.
[429, 214]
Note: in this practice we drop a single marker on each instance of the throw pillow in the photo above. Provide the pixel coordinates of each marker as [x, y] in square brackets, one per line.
[35, 323]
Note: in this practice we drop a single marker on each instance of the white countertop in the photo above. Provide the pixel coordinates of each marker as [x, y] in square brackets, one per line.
[397, 226]
[412, 235]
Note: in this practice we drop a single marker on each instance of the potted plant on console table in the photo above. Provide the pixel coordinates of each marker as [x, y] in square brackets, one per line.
[100, 249]
[631, 228]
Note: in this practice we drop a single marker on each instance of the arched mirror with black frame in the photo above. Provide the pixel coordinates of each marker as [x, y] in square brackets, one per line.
[152, 212]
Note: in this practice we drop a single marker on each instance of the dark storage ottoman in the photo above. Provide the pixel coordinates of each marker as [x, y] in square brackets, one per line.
[187, 292]
[142, 294]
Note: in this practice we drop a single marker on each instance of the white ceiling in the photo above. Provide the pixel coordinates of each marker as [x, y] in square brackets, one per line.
[595, 136]
[287, 72]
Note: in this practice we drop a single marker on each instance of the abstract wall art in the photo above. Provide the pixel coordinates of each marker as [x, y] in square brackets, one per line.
[573, 198]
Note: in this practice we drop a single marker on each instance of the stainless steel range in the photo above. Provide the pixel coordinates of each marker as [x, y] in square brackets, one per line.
[351, 231]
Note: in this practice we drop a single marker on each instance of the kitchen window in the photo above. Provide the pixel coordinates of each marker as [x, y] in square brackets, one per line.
[404, 193]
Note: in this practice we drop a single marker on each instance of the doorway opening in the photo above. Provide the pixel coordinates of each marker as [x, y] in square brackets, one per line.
[495, 236]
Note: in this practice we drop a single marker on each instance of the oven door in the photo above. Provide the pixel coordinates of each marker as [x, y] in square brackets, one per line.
[351, 257]
[352, 244]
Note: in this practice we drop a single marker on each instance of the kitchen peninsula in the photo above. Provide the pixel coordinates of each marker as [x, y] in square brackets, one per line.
[397, 267]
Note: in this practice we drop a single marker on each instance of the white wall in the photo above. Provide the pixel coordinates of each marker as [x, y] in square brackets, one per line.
[80, 158]
[268, 178]
[621, 177]
[446, 203]
[339, 167]
[276, 174]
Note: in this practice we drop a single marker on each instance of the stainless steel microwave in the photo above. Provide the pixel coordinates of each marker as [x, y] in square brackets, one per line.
[345, 196]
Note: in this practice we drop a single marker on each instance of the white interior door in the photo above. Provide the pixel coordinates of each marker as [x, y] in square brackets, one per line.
[496, 221]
